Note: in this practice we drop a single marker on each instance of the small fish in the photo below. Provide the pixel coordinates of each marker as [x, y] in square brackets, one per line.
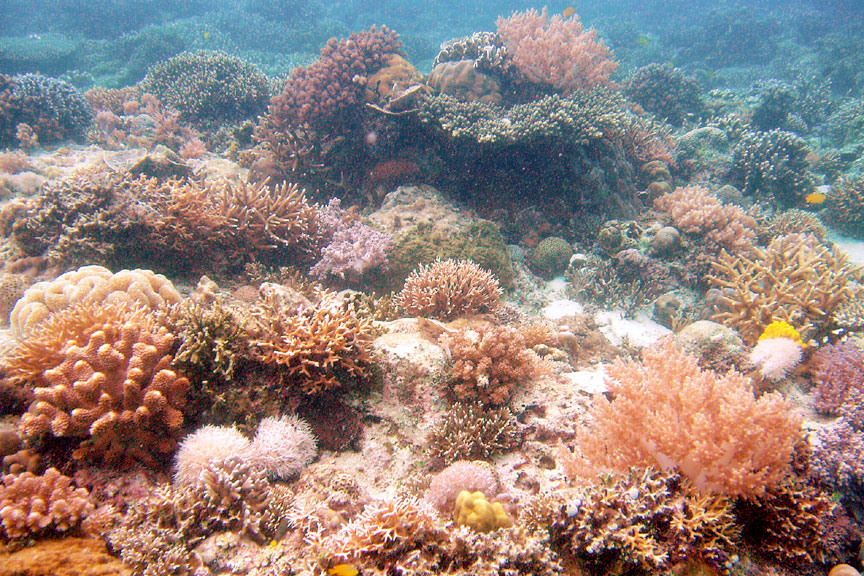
[343, 570]
[568, 12]
[643, 40]
[206, 35]
[815, 198]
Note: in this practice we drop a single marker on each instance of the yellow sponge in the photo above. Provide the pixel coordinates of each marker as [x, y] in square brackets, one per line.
[474, 510]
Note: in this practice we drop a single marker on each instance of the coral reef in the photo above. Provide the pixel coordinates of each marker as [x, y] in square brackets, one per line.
[317, 347]
[839, 370]
[551, 256]
[207, 86]
[446, 289]
[282, 447]
[774, 166]
[796, 279]
[555, 51]
[665, 92]
[207, 446]
[102, 376]
[711, 428]
[471, 431]
[475, 511]
[845, 208]
[31, 505]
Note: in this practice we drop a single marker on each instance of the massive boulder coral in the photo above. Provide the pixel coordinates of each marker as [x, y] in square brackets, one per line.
[102, 375]
[95, 283]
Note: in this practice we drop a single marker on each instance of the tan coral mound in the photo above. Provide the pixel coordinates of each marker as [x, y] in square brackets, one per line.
[315, 346]
[668, 412]
[102, 373]
[89, 283]
[449, 288]
[31, 505]
[796, 279]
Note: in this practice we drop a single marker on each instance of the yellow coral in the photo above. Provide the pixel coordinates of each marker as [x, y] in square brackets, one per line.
[474, 510]
[781, 329]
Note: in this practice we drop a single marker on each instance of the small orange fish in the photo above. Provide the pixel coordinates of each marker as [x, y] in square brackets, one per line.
[568, 12]
[343, 570]
[643, 40]
[815, 198]
[206, 34]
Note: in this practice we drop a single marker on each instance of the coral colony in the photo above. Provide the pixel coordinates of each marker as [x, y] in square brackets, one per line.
[539, 303]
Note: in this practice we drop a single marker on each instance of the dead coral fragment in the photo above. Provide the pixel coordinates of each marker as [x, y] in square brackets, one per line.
[315, 345]
[449, 288]
[103, 375]
[796, 279]
[32, 505]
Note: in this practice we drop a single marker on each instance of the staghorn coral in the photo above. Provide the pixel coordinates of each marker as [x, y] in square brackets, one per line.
[796, 279]
[211, 338]
[695, 210]
[33, 505]
[556, 51]
[449, 288]
[711, 428]
[489, 364]
[645, 519]
[102, 377]
[314, 346]
[209, 86]
[329, 92]
[89, 283]
[470, 431]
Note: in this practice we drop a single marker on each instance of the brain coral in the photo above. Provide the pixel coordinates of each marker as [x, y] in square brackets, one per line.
[102, 375]
[89, 283]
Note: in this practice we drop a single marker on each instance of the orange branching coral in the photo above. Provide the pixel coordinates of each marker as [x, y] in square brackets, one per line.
[489, 364]
[668, 412]
[103, 375]
[31, 505]
[315, 346]
[695, 210]
[449, 288]
[796, 279]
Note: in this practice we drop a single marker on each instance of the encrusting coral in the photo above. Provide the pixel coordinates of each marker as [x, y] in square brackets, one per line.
[711, 428]
[102, 375]
[446, 289]
[32, 505]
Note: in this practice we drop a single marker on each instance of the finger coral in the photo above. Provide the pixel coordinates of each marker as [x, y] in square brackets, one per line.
[32, 505]
[711, 428]
[446, 289]
[315, 346]
[102, 375]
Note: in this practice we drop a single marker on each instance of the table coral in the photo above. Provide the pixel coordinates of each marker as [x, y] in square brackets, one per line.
[102, 375]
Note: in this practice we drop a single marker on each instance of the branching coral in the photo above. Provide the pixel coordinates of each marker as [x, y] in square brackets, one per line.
[666, 92]
[316, 346]
[839, 373]
[556, 51]
[489, 364]
[846, 206]
[773, 164]
[711, 428]
[470, 431]
[449, 288]
[695, 210]
[51, 109]
[796, 279]
[102, 376]
[646, 519]
[33, 505]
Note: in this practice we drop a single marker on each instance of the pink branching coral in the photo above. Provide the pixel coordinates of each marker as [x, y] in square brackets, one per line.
[322, 93]
[32, 505]
[556, 51]
[668, 412]
[490, 364]
[695, 210]
[448, 288]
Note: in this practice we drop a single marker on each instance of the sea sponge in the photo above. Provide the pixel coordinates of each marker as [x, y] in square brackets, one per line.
[89, 283]
[209, 445]
[474, 510]
[31, 505]
[283, 446]
[449, 288]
